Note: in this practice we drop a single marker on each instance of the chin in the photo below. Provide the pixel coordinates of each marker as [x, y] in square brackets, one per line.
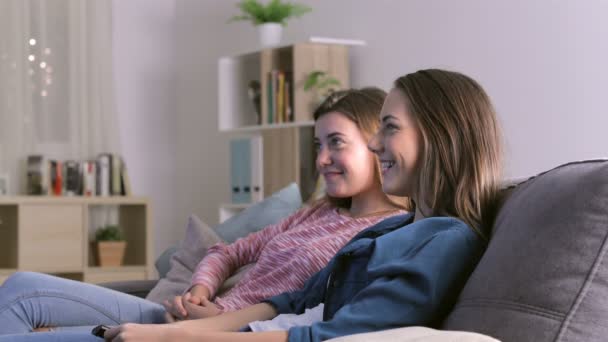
[337, 193]
[392, 189]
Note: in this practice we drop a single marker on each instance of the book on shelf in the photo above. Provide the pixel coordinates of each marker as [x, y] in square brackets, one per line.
[115, 174]
[125, 180]
[105, 176]
[56, 178]
[89, 168]
[72, 177]
[246, 162]
[280, 97]
[37, 175]
[288, 102]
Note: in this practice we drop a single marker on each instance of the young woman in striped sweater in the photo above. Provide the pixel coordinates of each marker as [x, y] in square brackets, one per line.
[285, 254]
[288, 253]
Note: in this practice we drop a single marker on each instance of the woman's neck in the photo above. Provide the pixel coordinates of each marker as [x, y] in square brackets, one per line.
[421, 210]
[373, 202]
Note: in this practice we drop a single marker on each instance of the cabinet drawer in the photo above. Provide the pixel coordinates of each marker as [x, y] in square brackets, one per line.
[51, 237]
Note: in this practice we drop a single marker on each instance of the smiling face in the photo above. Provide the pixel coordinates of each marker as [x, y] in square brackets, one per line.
[342, 156]
[398, 144]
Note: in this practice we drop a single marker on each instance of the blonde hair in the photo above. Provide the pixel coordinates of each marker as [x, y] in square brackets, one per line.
[461, 160]
[361, 106]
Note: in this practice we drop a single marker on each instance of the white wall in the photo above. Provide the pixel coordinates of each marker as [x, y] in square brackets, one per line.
[542, 62]
[144, 72]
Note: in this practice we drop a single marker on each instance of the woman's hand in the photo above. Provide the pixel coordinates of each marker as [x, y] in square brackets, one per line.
[205, 309]
[197, 294]
[182, 308]
[194, 304]
[175, 308]
[131, 332]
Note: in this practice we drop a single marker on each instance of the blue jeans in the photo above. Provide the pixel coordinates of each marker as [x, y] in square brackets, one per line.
[33, 300]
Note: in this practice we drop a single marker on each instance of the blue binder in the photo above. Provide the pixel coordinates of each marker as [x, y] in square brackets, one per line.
[240, 170]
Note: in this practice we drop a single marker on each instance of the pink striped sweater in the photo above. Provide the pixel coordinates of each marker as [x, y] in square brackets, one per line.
[286, 255]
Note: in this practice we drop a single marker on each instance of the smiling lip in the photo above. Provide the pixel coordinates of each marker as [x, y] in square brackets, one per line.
[386, 165]
[331, 174]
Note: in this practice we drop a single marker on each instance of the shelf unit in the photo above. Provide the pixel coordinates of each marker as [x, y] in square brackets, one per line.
[236, 110]
[52, 235]
[288, 152]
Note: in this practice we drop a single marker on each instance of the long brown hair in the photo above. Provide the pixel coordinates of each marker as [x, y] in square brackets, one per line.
[361, 106]
[461, 161]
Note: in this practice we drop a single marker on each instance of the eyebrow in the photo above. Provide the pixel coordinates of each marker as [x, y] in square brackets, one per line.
[330, 135]
[388, 117]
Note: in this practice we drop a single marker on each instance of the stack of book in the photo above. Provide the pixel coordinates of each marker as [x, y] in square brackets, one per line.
[104, 176]
[280, 97]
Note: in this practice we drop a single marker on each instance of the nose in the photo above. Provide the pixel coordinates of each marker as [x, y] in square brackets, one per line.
[323, 158]
[375, 144]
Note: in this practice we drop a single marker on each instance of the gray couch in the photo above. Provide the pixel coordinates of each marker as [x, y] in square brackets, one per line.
[544, 276]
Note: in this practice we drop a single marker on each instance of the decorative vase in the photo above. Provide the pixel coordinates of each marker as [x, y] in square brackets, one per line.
[270, 34]
[110, 253]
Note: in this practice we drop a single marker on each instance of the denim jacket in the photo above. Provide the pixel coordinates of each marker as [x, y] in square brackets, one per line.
[396, 273]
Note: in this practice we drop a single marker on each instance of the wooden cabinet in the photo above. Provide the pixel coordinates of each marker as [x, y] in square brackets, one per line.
[53, 235]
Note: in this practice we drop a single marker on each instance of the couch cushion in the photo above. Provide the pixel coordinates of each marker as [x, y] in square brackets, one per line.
[543, 276]
[415, 334]
[271, 210]
[183, 262]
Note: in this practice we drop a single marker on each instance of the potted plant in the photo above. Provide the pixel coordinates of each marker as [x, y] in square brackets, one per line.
[322, 85]
[269, 18]
[110, 246]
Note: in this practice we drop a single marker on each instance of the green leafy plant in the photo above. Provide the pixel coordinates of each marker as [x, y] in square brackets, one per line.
[108, 233]
[276, 11]
[321, 82]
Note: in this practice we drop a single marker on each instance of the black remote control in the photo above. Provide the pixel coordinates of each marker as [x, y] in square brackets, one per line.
[100, 330]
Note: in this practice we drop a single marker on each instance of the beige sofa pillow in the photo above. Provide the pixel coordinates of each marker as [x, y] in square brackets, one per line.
[416, 334]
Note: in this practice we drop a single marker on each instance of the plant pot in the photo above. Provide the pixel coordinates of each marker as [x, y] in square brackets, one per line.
[110, 253]
[270, 34]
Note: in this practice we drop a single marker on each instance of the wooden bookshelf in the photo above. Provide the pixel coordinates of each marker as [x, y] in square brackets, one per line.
[53, 235]
[236, 110]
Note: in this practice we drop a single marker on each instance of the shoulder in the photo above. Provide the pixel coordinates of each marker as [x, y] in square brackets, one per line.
[316, 210]
[436, 230]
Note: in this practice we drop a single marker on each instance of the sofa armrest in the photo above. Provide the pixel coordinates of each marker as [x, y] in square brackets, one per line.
[138, 288]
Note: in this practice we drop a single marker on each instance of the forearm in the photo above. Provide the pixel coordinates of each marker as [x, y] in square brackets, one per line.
[230, 321]
[221, 336]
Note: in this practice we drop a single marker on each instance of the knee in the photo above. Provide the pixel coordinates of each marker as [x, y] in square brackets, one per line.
[22, 280]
